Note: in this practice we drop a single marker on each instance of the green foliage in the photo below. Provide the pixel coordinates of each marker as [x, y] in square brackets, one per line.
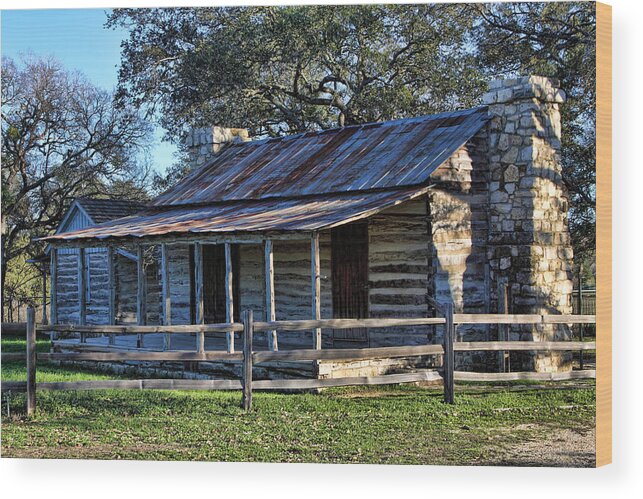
[23, 282]
[278, 70]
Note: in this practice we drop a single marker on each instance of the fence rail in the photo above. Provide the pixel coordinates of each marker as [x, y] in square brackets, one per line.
[531, 376]
[249, 357]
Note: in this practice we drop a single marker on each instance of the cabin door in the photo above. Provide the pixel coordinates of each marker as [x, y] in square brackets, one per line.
[349, 263]
[214, 293]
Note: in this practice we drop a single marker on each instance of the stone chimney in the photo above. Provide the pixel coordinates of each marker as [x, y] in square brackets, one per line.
[529, 245]
[204, 143]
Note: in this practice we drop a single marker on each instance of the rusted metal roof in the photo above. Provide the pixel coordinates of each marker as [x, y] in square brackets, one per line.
[303, 214]
[302, 182]
[372, 156]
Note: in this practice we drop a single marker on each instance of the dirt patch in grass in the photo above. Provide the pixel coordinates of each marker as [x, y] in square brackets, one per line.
[562, 448]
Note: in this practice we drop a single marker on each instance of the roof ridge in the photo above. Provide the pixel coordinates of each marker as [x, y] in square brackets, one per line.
[398, 121]
[127, 200]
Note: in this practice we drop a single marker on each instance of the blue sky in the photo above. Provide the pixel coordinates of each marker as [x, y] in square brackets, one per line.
[77, 38]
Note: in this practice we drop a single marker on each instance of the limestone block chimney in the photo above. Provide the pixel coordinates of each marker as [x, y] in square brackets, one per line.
[529, 245]
[204, 143]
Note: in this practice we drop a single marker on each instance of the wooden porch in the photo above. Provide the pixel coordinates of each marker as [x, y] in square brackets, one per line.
[198, 341]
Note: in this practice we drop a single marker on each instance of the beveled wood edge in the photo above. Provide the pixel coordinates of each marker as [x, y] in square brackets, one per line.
[603, 234]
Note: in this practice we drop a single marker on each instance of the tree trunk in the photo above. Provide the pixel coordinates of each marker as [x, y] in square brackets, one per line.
[3, 275]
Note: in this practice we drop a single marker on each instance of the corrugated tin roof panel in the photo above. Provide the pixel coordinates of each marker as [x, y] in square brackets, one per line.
[378, 155]
[304, 214]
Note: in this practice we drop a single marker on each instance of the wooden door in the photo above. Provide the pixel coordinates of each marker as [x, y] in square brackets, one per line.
[349, 263]
[214, 294]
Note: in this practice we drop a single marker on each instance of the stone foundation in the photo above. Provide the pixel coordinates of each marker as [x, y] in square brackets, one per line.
[265, 370]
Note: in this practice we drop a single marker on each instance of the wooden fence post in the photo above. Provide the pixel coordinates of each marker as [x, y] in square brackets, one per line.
[111, 297]
[229, 296]
[198, 294]
[141, 299]
[579, 305]
[449, 355]
[503, 330]
[82, 291]
[247, 359]
[53, 293]
[31, 361]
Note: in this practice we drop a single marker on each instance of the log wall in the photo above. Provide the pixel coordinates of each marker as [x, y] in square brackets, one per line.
[292, 284]
[153, 304]
[399, 271]
[179, 269]
[459, 211]
[98, 282]
[67, 288]
[125, 276]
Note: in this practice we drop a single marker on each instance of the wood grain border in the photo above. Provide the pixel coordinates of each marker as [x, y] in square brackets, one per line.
[603, 234]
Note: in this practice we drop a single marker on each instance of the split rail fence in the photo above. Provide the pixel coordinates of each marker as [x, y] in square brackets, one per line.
[248, 357]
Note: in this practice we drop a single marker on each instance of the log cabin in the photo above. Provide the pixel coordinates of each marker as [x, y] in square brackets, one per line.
[370, 221]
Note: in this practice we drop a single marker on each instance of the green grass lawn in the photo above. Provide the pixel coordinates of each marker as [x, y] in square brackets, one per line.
[46, 371]
[395, 425]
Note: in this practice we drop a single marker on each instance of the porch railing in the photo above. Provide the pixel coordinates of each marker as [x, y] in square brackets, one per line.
[249, 357]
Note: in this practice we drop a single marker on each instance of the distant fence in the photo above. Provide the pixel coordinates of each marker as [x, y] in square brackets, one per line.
[15, 309]
[586, 303]
[14, 328]
[249, 357]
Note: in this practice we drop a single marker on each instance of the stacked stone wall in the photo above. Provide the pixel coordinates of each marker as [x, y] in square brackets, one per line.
[529, 245]
[204, 143]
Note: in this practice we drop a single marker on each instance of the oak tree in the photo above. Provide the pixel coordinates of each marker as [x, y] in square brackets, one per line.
[62, 138]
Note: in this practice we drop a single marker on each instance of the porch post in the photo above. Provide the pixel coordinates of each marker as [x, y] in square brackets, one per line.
[229, 297]
[82, 291]
[44, 296]
[165, 291]
[270, 293]
[141, 312]
[316, 287]
[198, 294]
[111, 273]
[53, 291]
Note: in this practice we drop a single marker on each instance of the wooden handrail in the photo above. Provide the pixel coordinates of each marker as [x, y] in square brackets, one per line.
[345, 323]
[128, 329]
[522, 319]
[549, 346]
